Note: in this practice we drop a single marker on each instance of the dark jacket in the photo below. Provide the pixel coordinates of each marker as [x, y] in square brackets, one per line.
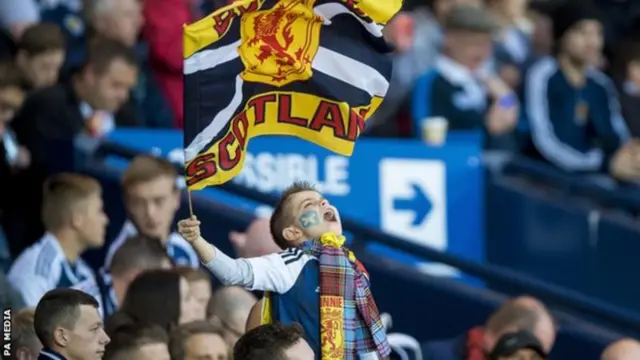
[49, 121]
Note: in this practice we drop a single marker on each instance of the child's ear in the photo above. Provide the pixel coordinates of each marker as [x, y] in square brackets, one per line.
[292, 234]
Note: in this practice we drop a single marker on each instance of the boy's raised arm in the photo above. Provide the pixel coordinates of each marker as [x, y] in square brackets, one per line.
[273, 272]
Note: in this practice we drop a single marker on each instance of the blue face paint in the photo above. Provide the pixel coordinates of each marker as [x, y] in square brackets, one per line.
[308, 219]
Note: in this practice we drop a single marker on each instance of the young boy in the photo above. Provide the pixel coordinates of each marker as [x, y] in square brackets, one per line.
[314, 281]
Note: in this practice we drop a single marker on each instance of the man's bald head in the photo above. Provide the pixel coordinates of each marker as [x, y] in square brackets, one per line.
[231, 305]
[255, 241]
[625, 349]
[545, 327]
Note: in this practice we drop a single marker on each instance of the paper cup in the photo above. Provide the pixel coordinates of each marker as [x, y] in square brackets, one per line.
[434, 130]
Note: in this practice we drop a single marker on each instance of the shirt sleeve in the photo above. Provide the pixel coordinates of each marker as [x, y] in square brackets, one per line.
[32, 289]
[273, 272]
[612, 131]
[545, 139]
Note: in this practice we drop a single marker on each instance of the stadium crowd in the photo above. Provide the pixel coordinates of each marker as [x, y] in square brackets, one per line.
[555, 80]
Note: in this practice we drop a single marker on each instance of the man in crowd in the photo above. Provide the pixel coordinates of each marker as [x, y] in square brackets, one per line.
[572, 108]
[273, 341]
[255, 241]
[40, 56]
[230, 306]
[421, 30]
[625, 349]
[90, 105]
[24, 342]
[146, 342]
[152, 198]
[198, 340]
[518, 314]
[459, 84]
[75, 221]
[138, 254]
[121, 20]
[69, 326]
[200, 288]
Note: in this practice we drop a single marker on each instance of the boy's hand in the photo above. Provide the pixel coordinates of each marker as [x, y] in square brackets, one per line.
[189, 228]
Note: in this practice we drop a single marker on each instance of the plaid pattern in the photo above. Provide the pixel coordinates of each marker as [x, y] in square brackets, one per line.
[360, 330]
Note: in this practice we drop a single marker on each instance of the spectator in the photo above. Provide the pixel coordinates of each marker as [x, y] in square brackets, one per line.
[13, 156]
[308, 229]
[626, 73]
[41, 52]
[200, 286]
[91, 105]
[545, 327]
[141, 305]
[198, 340]
[255, 241]
[510, 317]
[274, 342]
[572, 108]
[457, 87]
[152, 198]
[24, 341]
[138, 342]
[137, 255]
[231, 306]
[625, 349]
[121, 20]
[427, 38]
[519, 345]
[75, 221]
[69, 326]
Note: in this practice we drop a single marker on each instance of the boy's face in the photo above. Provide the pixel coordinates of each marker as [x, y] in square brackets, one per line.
[42, 69]
[312, 216]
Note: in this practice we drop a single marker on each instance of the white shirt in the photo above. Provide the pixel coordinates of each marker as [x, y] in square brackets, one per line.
[178, 249]
[43, 267]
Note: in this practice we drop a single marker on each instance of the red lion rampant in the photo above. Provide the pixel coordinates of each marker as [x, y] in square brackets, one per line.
[267, 28]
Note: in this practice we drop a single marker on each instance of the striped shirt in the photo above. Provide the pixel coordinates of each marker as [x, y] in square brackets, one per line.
[178, 249]
[101, 289]
[43, 267]
[291, 276]
[574, 128]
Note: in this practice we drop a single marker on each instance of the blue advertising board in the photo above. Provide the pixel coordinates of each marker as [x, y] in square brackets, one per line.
[430, 195]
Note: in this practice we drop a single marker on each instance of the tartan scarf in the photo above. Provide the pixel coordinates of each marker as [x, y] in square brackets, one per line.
[350, 323]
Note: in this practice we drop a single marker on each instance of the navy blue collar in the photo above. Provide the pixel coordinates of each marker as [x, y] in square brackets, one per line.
[48, 354]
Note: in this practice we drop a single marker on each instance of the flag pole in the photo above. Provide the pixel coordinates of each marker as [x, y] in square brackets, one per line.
[190, 202]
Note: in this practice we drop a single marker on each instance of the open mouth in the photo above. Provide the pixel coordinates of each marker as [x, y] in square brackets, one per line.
[330, 215]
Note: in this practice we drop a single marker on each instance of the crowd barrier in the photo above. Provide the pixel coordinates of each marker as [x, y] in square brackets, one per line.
[573, 231]
[414, 299]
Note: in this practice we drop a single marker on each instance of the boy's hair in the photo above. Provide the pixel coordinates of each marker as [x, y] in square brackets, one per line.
[138, 253]
[62, 193]
[41, 38]
[180, 336]
[282, 215]
[59, 307]
[267, 342]
[145, 168]
[11, 76]
[103, 52]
